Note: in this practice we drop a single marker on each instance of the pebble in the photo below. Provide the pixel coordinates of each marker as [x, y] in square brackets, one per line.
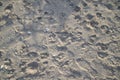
[1, 4]
[98, 14]
[109, 6]
[90, 16]
[1, 54]
[94, 23]
[77, 8]
[102, 54]
[29, 32]
[32, 54]
[33, 65]
[78, 17]
[9, 7]
[118, 7]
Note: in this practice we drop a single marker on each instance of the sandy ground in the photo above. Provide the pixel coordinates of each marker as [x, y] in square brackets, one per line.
[59, 39]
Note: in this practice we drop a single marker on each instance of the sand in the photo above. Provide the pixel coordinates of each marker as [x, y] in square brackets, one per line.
[59, 40]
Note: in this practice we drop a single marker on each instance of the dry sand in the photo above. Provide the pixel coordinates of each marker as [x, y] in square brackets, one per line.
[59, 39]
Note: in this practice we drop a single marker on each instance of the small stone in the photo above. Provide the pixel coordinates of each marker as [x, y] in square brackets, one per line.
[44, 47]
[71, 4]
[102, 45]
[78, 17]
[51, 20]
[90, 16]
[46, 13]
[33, 65]
[1, 3]
[63, 35]
[118, 7]
[96, 5]
[71, 53]
[84, 4]
[75, 73]
[7, 61]
[2, 66]
[44, 55]
[61, 48]
[32, 54]
[107, 32]
[109, 6]
[39, 18]
[11, 71]
[93, 38]
[77, 8]
[94, 23]
[22, 64]
[47, 29]
[7, 11]
[46, 62]
[104, 27]
[9, 7]
[102, 54]
[1, 53]
[117, 18]
[98, 14]
[59, 57]
[49, 12]
[29, 32]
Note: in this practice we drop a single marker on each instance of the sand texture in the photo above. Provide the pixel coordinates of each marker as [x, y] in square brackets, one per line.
[59, 39]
